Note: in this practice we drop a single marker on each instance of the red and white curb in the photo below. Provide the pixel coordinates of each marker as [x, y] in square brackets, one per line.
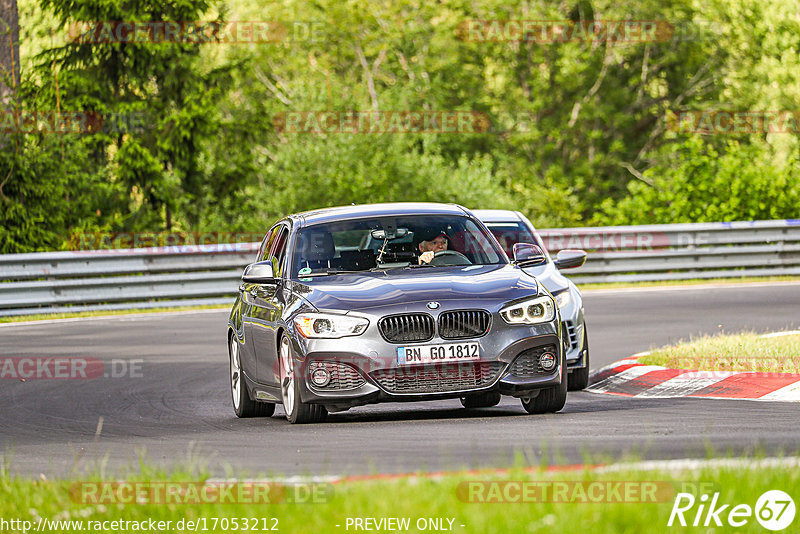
[630, 378]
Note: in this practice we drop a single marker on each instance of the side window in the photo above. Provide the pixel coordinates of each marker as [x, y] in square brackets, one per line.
[262, 248]
[266, 245]
[277, 251]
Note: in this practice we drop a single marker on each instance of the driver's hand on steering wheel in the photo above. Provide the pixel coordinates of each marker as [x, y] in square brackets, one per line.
[426, 257]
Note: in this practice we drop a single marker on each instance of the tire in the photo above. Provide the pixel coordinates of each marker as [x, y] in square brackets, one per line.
[579, 378]
[297, 412]
[481, 400]
[243, 405]
[549, 400]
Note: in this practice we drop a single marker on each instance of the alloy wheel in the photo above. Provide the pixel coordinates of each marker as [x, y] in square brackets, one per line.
[236, 373]
[287, 380]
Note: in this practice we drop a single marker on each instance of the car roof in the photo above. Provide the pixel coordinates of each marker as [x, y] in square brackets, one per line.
[377, 210]
[497, 215]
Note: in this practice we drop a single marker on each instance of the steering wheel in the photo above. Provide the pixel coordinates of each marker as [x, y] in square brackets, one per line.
[449, 257]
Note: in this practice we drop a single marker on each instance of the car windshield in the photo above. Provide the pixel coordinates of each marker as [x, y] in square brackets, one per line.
[391, 242]
[509, 234]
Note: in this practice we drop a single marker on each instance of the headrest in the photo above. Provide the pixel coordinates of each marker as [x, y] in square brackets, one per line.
[317, 245]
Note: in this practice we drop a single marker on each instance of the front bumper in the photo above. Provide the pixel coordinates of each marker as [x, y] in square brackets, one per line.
[505, 365]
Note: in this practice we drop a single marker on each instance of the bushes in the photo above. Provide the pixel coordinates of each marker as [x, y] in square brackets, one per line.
[697, 182]
[314, 172]
[49, 192]
[567, 119]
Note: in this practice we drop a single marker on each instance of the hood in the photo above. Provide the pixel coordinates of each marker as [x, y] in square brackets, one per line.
[361, 291]
[549, 276]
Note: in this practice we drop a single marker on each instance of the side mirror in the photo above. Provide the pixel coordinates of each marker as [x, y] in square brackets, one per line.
[527, 255]
[258, 273]
[570, 258]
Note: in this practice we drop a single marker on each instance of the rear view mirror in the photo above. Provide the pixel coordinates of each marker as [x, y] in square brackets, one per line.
[389, 233]
[528, 255]
[570, 258]
[258, 273]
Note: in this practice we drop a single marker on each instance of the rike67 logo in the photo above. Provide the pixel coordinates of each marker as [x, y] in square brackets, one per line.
[774, 510]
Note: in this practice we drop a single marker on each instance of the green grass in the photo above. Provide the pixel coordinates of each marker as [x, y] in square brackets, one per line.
[443, 497]
[102, 313]
[731, 352]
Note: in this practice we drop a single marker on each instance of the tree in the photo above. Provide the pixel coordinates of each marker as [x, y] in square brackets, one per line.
[169, 84]
[9, 50]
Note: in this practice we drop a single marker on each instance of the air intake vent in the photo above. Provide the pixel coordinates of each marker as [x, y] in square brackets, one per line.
[527, 363]
[407, 327]
[464, 324]
[571, 334]
[343, 376]
[439, 378]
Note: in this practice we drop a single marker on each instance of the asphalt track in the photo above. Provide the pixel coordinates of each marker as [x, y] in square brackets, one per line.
[176, 411]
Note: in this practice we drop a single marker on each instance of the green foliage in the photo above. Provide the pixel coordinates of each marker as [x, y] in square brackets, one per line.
[169, 85]
[578, 132]
[45, 194]
[695, 183]
[310, 172]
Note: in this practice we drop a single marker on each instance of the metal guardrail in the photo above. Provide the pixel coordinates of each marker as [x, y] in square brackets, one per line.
[53, 282]
[682, 251]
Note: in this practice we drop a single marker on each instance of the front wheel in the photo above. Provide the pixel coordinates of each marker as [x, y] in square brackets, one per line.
[549, 400]
[243, 405]
[579, 378]
[296, 410]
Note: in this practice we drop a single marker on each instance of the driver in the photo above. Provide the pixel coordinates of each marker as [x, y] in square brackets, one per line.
[429, 247]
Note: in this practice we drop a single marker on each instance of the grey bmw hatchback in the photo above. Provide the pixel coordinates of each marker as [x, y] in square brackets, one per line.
[403, 302]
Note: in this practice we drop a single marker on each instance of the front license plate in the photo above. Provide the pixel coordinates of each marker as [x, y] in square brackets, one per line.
[449, 352]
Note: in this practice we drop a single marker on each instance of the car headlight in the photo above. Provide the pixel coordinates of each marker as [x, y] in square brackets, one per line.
[326, 325]
[562, 298]
[539, 310]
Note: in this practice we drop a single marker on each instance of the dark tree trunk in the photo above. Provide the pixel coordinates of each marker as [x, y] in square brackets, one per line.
[9, 51]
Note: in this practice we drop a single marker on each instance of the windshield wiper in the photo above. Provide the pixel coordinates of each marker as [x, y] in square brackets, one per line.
[326, 273]
[393, 265]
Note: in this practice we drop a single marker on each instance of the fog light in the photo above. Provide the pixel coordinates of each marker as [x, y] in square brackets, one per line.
[547, 361]
[320, 377]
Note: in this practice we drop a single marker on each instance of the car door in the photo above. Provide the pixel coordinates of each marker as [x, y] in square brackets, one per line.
[268, 303]
[249, 294]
